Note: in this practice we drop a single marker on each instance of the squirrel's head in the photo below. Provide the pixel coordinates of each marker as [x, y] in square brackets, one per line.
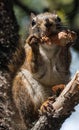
[45, 24]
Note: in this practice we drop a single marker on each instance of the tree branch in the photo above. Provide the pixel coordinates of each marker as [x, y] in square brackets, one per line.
[62, 107]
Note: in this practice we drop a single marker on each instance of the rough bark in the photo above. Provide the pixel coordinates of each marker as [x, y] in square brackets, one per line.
[9, 38]
[9, 52]
[5, 110]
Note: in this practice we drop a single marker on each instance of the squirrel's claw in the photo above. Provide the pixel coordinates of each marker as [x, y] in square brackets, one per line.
[47, 107]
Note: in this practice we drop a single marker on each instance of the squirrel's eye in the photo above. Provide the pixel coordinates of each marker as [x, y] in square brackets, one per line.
[58, 19]
[33, 22]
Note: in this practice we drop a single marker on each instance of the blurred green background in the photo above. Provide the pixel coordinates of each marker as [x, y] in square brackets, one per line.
[68, 10]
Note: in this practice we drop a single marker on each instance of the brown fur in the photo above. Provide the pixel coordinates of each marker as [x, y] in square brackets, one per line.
[15, 63]
[44, 66]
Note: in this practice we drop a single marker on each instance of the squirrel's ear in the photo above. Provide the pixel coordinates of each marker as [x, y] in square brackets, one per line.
[55, 13]
[32, 15]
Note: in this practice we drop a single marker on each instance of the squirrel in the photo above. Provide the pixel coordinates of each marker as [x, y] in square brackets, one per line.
[47, 63]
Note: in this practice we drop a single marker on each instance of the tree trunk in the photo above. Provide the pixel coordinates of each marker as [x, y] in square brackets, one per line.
[9, 62]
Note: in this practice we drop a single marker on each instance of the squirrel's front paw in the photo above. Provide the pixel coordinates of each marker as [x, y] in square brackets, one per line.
[66, 37]
[47, 107]
[32, 39]
[33, 42]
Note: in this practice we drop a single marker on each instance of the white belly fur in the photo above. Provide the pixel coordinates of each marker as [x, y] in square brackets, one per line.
[51, 75]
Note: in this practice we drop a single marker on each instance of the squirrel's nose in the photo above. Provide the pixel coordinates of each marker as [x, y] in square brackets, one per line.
[48, 23]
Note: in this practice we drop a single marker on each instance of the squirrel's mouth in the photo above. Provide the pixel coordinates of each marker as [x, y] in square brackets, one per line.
[47, 38]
